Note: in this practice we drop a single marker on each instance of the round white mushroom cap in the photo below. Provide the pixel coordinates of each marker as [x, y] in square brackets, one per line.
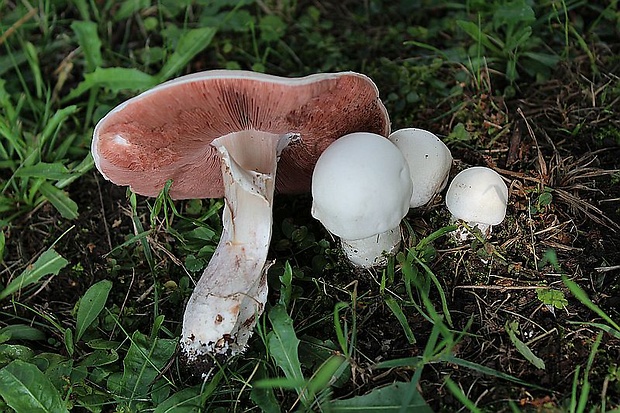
[429, 162]
[478, 195]
[361, 186]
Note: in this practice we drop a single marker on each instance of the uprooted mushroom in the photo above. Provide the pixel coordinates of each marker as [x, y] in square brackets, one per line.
[224, 133]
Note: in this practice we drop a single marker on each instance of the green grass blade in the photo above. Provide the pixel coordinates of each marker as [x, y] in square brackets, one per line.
[586, 386]
[5, 102]
[462, 398]
[32, 56]
[286, 285]
[189, 45]
[60, 148]
[340, 334]
[68, 340]
[281, 383]
[77, 171]
[582, 296]
[188, 400]
[50, 262]
[54, 123]
[610, 330]
[91, 306]
[26, 389]
[442, 295]
[61, 201]
[402, 319]
[133, 239]
[53, 171]
[2, 243]
[474, 31]
[263, 396]
[487, 371]
[574, 390]
[15, 147]
[327, 373]
[382, 400]
[409, 362]
[511, 329]
[434, 236]
[137, 222]
[115, 79]
[82, 8]
[88, 39]
[128, 8]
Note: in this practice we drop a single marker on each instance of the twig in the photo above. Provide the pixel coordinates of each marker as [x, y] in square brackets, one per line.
[543, 335]
[17, 25]
[500, 287]
[120, 312]
[530, 222]
[544, 177]
[524, 318]
[105, 222]
[145, 294]
[606, 269]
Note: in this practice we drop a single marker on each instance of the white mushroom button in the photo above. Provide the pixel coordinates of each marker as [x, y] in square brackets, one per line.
[477, 196]
[429, 162]
[361, 190]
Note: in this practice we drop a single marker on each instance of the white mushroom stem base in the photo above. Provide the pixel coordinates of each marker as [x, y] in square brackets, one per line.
[371, 252]
[463, 233]
[231, 294]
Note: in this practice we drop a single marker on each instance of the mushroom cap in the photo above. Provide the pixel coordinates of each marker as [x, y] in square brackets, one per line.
[429, 162]
[165, 132]
[361, 186]
[478, 195]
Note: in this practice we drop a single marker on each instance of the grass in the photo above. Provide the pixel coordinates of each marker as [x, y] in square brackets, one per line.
[93, 279]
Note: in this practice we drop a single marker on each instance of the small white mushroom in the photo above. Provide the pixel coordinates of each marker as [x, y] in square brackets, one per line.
[429, 162]
[478, 196]
[361, 190]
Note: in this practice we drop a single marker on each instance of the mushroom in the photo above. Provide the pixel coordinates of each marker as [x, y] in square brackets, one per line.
[360, 193]
[478, 196]
[221, 133]
[429, 162]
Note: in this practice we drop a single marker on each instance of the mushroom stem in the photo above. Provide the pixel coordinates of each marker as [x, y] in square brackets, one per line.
[463, 233]
[231, 294]
[371, 251]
